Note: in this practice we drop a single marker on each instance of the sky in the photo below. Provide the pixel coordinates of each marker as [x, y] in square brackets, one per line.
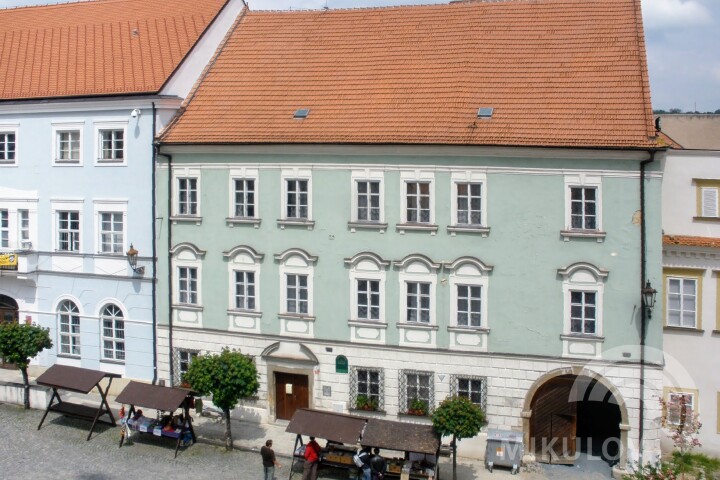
[682, 38]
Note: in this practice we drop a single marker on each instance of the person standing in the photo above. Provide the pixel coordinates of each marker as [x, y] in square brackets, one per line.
[364, 456]
[269, 461]
[377, 465]
[312, 458]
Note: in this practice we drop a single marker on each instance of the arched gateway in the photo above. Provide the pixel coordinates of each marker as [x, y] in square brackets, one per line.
[8, 309]
[570, 411]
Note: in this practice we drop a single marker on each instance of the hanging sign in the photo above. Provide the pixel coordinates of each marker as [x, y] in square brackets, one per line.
[8, 260]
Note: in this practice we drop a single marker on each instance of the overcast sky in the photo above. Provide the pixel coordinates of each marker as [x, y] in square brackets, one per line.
[682, 44]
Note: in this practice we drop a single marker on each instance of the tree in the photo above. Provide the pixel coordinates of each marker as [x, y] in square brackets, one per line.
[676, 110]
[228, 377]
[21, 342]
[459, 417]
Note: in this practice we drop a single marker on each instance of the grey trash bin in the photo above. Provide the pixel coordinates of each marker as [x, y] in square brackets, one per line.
[504, 448]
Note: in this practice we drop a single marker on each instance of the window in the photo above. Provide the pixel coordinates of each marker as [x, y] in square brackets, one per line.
[4, 229]
[113, 335]
[187, 197]
[297, 294]
[368, 299]
[24, 228]
[366, 388]
[244, 198]
[368, 200]
[469, 305]
[188, 285]
[297, 200]
[111, 232]
[183, 359]
[471, 387]
[677, 401]
[7, 147]
[112, 145]
[245, 290]
[417, 208]
[418, 302]
[68, 231]
[682, 302]
[417, 395]
[69, 317]
[583, 208]
[469, 203]
[68, 146]
[583, 312]
[707, 198]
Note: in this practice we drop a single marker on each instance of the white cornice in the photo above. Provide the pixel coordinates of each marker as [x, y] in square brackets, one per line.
[87, 105]
[681, 251]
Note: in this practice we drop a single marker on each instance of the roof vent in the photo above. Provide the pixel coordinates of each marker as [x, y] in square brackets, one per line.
[301, 113]
[485, 112]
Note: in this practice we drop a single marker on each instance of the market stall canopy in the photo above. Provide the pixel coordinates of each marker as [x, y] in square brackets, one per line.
[74, 379]
[401, 436]
[336, 427]
[166, 399]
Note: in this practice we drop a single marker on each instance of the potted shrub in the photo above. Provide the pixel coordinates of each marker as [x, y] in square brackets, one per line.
[363, 402]
[418, 407]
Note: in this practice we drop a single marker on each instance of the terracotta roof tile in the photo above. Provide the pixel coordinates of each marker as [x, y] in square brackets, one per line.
[99, 47]
[687, 241]
[557, 73]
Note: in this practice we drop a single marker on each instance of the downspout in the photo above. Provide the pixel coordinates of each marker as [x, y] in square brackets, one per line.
[643, 310]
[171, 365]
[154, 246]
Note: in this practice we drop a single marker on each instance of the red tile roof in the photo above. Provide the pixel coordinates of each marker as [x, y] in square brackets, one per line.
[687, 241]
[557, 73]
[100, 47]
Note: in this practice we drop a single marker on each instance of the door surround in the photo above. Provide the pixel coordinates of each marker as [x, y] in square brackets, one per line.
[578, 371]
[291, 358]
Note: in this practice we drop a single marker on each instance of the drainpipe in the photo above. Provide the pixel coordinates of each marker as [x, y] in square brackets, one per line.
[643, 310]
[154, 248]
[169, 259]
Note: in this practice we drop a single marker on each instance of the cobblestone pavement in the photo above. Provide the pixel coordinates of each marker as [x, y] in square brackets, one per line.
[59, 451]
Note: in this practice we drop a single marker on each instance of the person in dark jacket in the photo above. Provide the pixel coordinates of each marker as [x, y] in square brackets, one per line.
[377, 465]
[269, 461]
[365, 455]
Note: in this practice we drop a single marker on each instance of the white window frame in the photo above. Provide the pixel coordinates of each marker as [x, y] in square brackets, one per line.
[66, 205]
[24, 233]
[289, 174]
[12, 129]
[76, 336]
[697, 296]
[582, 305]
[14, 206]
[243, 259]
[684, 392]
[184, 274]
[190, 355]
[416, 176]
[114, 338]
[186, 255]
[366, 175]
[186, 173]
[246, 284]
[417, 269]
[582, 180]
[471, 272]
[98, 147]
[244, 174]
[470, 177]
[366, 266]
[4, 228]
[61, 127]
[296, 262]
[583, 277]
[101, 206]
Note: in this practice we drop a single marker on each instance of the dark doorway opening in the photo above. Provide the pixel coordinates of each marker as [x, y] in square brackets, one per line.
[9, 312]
[291, 393]
[598, 429]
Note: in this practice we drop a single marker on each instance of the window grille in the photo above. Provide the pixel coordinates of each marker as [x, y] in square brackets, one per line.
[418, 385]
[470, 386]
[181, 361]
[369, 382]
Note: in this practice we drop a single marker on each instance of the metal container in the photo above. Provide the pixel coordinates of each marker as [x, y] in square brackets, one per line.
[504, 448]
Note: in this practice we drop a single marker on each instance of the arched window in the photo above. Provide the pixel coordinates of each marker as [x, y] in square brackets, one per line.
[69, 317]
[113, 333]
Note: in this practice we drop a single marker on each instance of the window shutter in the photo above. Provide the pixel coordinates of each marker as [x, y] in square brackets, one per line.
[709, 202]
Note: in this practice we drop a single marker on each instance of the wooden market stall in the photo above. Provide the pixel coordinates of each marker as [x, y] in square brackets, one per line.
[80, 380]
[342, 432]
[162, 399]
[419, 443]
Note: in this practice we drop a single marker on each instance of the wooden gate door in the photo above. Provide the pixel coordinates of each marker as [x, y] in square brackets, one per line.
[554, 422]
[291, 393]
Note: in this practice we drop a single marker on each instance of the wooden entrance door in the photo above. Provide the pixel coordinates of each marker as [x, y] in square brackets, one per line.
[8, 313]
[554, 421]
[291, 393]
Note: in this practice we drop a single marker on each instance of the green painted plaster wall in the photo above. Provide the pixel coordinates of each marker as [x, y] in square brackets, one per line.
[525, 214]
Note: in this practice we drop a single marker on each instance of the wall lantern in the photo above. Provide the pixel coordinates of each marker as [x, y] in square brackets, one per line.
[132, 256]
[648, 295]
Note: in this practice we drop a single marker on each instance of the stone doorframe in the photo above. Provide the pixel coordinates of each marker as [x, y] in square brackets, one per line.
[580, 371]
[277, 361]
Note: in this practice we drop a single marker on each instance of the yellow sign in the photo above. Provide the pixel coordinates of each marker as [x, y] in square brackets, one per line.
[8, 260]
